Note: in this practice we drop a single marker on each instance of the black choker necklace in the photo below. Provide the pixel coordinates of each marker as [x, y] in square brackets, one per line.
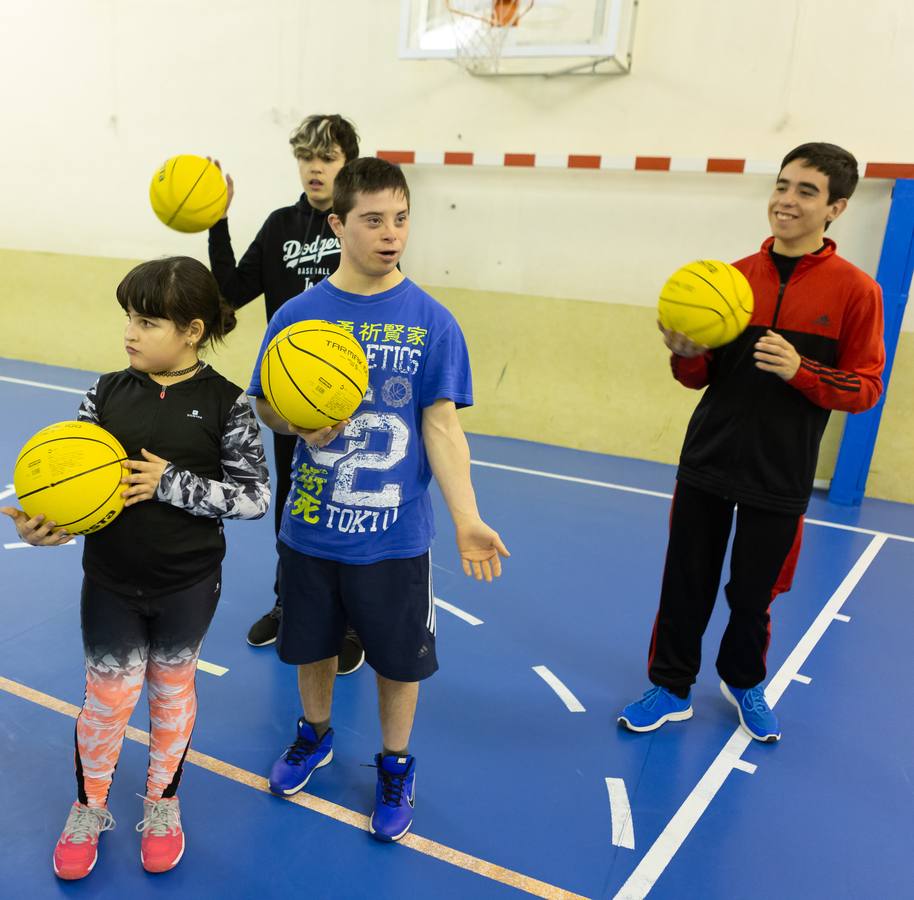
[186, 371]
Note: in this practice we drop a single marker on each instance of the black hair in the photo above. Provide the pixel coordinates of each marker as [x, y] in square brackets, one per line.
[181, 289]
[837, 163]
[367, 175]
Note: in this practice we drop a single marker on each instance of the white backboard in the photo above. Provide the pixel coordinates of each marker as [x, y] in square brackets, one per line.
[553, 37]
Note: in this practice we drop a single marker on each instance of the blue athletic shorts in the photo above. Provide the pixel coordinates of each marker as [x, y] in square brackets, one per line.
[388, 603]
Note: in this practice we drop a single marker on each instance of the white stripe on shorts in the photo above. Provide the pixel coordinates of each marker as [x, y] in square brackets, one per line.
[431, 619]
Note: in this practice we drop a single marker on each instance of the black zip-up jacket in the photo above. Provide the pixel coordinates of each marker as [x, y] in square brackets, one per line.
[205, 428]
[294, 250]
[754, 438]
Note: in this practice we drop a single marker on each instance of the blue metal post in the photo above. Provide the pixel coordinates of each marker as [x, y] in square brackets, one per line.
[896, 265]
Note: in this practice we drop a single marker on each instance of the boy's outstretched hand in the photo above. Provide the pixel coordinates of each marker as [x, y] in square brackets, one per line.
[480, 549]
[36, 531]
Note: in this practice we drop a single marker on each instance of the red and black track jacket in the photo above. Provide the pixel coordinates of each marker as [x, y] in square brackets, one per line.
[753, 437]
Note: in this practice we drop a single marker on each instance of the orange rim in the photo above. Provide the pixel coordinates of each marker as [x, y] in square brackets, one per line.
[504, 14]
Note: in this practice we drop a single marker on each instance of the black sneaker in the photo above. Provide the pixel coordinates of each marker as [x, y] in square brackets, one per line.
[351, 655]
[263, 631]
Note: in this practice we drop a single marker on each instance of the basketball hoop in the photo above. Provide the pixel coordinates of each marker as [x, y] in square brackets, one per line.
[481, 28]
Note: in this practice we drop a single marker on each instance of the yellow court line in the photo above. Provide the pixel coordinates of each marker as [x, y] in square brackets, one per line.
[316, 804]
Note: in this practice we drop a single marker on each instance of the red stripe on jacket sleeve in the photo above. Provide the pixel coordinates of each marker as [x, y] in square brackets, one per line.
[691, 371]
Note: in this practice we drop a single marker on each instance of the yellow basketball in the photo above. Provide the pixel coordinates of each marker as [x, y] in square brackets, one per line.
[188, 193]
[314, 374]
[71, 472]
[708, 301]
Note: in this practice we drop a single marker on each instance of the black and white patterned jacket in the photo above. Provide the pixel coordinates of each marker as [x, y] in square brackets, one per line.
[206, 429]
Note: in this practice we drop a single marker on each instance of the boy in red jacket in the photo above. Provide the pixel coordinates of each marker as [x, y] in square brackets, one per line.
[814, 344]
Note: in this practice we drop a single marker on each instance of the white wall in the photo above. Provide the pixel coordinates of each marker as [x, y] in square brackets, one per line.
[98, 92]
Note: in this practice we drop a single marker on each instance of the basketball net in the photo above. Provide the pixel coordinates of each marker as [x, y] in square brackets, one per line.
[481, 28]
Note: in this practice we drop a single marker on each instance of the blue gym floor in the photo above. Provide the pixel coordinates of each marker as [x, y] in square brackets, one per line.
[512, 785]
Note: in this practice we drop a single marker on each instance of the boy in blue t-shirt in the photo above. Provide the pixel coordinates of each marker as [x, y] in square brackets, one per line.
[357, 524]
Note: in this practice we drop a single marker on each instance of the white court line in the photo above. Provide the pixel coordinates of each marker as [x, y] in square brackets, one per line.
[24, 546]
[456, 611]
[8, 491]
[657, 858]
[212, 668]
[842, 618]
[747, 767]
[803, 679]
[632, 490]
[620, 812]
[40, 384]
[602, 484]
[569, 699]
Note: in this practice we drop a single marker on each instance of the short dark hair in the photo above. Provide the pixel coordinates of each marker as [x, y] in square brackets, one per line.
[181, 289]
[368, 175]
[837, 163]
[318, 133]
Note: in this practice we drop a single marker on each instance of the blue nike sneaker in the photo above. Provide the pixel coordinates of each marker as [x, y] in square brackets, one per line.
[755, 714]
[395, 797]
[290, 773]
[658, 705]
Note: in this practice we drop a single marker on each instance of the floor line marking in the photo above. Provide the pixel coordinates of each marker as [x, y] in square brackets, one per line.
[22, 545]
[8, 491]
[47, 387]
[212, 668]
[316, 804]
[744, 766]
[842, 618]
[620, 812]
[456, 611]
[668, 842]
[803, 679]
[667, 496]
[589, 481]
[569, 699]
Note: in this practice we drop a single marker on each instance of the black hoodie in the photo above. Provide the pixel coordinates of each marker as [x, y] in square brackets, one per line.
[294, 250]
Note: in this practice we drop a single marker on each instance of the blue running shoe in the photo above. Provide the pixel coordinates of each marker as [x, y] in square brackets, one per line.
[755, 714]
[658, 705]
[395, 797]
[290, 773]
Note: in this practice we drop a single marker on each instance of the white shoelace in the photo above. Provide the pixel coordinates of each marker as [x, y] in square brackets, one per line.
[86, 823]
[159, 816]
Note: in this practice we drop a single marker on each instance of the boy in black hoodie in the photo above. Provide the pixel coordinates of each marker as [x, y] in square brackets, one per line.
[293, 251]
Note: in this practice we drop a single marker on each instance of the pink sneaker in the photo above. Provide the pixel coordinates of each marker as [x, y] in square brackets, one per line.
[163, 838]
[77, 850]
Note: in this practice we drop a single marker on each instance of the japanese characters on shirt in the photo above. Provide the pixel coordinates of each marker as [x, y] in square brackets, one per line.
[376, 439]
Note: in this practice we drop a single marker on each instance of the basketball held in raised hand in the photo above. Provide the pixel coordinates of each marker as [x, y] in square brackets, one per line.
[708, 301]
[188, 193]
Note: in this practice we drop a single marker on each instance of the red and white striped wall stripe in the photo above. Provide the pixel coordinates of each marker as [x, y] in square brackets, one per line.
[619, 163]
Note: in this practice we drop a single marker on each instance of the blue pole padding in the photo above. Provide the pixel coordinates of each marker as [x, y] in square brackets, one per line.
[896, 266]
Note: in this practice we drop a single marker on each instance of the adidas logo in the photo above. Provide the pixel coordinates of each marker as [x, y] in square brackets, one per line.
[824, 321]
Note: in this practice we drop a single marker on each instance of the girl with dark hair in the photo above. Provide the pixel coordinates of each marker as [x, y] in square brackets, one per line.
[152, 576]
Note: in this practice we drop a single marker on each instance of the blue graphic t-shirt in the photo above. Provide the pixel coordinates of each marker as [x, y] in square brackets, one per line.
[364, 497]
